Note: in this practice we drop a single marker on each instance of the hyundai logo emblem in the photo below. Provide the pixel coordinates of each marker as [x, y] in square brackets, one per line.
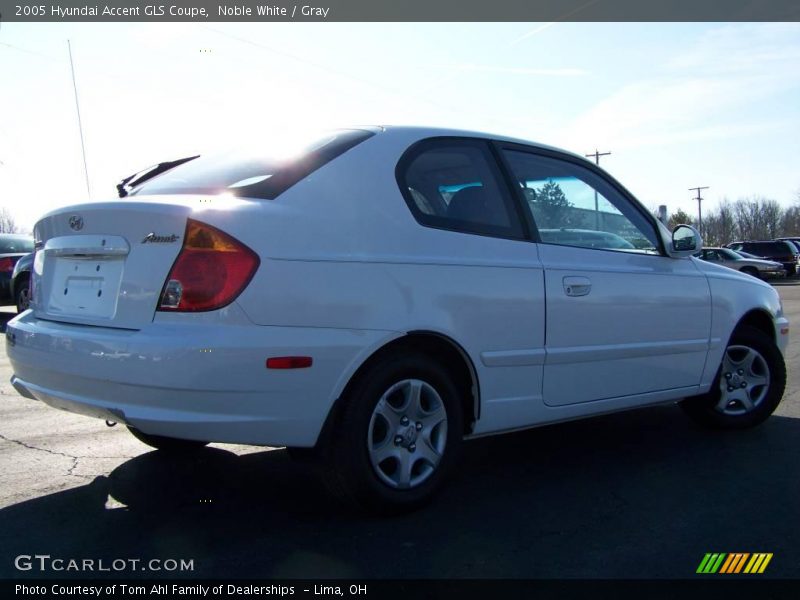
[76, 222]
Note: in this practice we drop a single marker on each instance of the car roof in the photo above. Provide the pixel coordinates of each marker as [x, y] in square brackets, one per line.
[421, 133]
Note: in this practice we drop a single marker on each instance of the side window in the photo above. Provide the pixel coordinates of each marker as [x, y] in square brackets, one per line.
[573, 206]
[455, 185]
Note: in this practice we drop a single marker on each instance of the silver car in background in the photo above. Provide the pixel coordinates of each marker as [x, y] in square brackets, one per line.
[752, 266]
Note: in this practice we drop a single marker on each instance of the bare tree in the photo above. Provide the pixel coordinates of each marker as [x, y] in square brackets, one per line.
[727, 222]
[7, 222]
[790, 223]
[712, 230]
[758, 218]
[749, 220]
[754, 218]
[720, 225]
[772, 213]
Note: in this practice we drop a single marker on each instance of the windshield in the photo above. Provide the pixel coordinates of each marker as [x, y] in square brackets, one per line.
[265, 172]
[729, 254]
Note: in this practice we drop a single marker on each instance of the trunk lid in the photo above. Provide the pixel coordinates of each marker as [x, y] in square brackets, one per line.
[105, 264]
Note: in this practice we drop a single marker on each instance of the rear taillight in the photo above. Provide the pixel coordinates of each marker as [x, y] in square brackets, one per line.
[7, 265]
[211, 270]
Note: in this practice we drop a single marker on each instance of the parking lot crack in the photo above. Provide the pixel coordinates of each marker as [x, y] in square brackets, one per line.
[73, 458]
[30, 447]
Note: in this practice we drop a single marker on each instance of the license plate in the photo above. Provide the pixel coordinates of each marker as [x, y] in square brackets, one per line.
[85, 287]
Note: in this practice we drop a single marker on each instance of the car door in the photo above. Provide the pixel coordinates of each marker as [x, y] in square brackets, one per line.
[623, 320]
[715, 256]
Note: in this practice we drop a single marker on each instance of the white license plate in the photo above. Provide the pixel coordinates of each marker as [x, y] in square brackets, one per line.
[85, 287]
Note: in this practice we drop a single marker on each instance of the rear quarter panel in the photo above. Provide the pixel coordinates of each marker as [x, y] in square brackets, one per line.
[341, 249]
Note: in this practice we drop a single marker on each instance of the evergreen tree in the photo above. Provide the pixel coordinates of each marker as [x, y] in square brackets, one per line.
[551, 207]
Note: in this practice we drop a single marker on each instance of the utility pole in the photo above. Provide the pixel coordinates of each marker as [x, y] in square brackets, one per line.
[596, 156]
[80, 125]
[699, 207]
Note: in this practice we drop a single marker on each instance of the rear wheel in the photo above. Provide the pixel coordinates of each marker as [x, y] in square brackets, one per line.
[22, 294]
[748, 387]
[398, 435]
[167, 444]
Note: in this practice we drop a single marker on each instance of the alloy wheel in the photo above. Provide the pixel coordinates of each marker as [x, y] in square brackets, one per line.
[407, 434]
[744, 381]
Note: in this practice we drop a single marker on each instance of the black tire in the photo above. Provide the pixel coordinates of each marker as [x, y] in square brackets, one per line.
[22, 294]
[345, 457]
[167, 444]
[751, 271]
[705, 408]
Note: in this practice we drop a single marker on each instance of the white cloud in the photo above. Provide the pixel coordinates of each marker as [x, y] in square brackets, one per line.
[703, 93]
[749, 48]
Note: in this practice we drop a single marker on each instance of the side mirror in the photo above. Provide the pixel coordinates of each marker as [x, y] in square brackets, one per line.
[686, 240]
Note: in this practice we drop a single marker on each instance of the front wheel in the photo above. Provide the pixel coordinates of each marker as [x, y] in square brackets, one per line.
[167, 444]
[399, 434]
[748, 387]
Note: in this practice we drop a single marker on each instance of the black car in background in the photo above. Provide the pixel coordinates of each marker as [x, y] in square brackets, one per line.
[781, 251]
[793, 240]
[12, 247]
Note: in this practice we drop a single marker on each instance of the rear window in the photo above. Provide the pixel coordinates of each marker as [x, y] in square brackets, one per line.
[775, 248]
[263, 173]
[15, 245]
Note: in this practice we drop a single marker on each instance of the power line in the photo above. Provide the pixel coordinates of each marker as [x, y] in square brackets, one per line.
[597, 154]
[26, 51]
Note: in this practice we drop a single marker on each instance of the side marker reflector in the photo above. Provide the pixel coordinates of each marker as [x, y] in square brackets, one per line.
[289, 362]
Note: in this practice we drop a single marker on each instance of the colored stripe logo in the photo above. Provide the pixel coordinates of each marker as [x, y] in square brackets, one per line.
[733, 563]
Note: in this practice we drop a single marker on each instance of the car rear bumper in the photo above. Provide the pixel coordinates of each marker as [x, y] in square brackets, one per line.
[202, 382]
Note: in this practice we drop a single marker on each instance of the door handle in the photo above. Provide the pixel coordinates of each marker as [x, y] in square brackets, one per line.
[577, 286]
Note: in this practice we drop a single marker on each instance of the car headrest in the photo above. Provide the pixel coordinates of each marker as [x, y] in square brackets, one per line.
[473, 204]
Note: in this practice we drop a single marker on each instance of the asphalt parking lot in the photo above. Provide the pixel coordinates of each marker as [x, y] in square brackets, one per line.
[635, 495]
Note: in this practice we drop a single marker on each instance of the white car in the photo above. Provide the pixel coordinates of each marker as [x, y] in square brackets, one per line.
[380, 296]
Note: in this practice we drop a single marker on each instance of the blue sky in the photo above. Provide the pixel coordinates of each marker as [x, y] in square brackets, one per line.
[678, 105]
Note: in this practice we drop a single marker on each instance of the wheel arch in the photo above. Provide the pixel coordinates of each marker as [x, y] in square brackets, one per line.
[22, 278]
[757, 319]
[436, 345]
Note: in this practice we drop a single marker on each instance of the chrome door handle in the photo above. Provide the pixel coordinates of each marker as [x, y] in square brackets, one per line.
[577, 286]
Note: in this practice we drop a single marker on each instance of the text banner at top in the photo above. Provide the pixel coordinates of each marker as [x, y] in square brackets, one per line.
[403, 10]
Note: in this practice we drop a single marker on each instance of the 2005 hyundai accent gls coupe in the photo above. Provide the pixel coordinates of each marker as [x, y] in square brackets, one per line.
[374, 299]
